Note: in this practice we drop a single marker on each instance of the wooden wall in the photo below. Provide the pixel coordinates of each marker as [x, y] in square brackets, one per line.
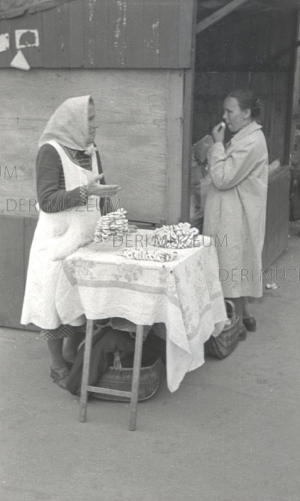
[272, 89]
[139, 136]
[104, 34]
[256, 52]
[277, 219]
[15, 242]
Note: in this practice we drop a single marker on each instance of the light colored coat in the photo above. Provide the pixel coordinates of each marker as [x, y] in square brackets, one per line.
[235, 209]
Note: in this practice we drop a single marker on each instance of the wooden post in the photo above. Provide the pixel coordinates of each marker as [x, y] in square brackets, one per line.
[136, 376]
[292, 139]
[294, 121]
[174, 147]
[86, 370]
[188, 100]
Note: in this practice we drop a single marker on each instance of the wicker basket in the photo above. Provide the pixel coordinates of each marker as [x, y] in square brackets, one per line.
[119, 378]
[224, 344]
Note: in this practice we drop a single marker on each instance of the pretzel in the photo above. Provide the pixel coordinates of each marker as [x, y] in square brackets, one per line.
[175, 236]
[148, 255]
[112, 224]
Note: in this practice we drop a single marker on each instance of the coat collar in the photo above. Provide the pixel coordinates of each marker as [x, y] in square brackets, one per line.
[252, 127]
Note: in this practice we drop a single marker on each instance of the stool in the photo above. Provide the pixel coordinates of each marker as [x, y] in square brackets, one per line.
[133, 394]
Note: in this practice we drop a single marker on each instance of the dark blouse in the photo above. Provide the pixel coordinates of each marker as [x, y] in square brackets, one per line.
[51, 189]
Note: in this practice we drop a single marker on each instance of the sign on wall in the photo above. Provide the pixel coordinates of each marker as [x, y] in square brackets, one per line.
[26, 38]
[4, 42]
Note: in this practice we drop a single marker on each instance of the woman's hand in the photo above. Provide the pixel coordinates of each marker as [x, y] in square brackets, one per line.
[93, 187]
[218, 132]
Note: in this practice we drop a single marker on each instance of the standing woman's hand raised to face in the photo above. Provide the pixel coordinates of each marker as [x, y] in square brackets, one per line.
[218, 132]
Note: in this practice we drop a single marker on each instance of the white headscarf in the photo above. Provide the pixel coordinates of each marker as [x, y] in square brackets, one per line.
[69, 124]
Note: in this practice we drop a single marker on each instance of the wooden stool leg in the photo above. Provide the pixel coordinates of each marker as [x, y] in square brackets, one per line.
[86, 370]
[136, 376]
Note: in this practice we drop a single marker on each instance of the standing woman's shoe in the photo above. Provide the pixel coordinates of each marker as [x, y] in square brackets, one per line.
[242, 333]
[60, 377]
[250, 324]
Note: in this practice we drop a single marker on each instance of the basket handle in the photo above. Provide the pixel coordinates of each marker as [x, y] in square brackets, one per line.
[234, 316]
[117, 360]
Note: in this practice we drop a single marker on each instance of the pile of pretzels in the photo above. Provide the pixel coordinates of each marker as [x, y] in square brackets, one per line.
[111, 225]
[176, 236]
[148, 255]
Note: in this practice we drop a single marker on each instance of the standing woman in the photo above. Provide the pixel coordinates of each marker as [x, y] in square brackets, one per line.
[68, 191]
[235, 210]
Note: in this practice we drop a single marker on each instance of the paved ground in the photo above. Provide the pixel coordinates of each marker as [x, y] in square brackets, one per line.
[230, 433]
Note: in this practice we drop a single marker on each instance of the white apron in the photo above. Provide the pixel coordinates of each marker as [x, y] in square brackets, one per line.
[57, 235]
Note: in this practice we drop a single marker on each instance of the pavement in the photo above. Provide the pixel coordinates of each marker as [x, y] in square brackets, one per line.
[229, 433]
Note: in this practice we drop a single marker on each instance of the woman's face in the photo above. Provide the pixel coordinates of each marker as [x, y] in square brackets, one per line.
[234, 117]
[92, 123]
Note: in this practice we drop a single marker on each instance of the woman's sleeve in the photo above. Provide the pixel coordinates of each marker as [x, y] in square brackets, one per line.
[100, 170]
[51, 197]
[103, 204]
[228, 170]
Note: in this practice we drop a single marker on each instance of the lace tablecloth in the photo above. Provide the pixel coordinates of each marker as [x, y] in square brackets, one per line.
[184, 294]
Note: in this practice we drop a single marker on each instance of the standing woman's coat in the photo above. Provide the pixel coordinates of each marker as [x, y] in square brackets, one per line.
[235, 209]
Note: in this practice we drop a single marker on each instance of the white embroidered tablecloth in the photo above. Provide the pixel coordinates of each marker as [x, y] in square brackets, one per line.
[184, 294]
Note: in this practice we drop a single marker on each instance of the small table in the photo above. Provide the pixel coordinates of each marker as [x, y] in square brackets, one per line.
[183, 296]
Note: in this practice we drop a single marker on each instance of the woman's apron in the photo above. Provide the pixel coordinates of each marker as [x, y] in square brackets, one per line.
[57, 235]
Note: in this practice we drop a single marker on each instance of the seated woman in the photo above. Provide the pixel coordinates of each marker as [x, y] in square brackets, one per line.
[68, 190]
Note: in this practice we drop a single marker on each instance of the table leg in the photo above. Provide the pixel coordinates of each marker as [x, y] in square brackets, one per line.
[86, 370]
[136, 376]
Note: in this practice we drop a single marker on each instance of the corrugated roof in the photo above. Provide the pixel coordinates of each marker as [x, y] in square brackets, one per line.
[209, 6]
[10, 5]
[14, 8]
[265, 4]
[98, 34]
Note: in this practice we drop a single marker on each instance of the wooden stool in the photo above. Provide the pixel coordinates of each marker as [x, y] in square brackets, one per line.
[133, 394]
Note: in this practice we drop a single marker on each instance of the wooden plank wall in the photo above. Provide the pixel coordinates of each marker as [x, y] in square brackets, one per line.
[256, 52]
[277, 222]
[16, 237]
[273, 90]
[11, 271]
[106, 34]
[139, 135]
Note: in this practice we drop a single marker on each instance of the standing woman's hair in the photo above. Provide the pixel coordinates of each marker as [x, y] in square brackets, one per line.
[247, 99]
